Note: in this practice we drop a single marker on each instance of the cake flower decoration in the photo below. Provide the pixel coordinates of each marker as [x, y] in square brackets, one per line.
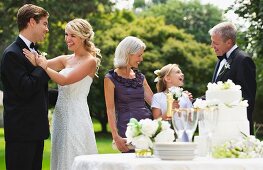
[248, 147]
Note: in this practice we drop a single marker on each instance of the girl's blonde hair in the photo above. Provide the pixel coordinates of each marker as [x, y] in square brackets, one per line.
[165, 71]
[83, 29]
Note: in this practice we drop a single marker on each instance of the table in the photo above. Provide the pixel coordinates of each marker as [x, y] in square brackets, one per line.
[128, 161]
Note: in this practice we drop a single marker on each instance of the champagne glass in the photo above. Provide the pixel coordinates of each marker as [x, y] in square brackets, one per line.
[207, 124]
[184, 121]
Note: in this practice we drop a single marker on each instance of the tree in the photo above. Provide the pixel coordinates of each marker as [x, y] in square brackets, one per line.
[192, 16]
[165, 44]
[252, 12]
[252, 41]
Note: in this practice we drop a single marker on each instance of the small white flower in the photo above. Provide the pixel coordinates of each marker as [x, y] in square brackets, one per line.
[176, 92]
[44, 54]
[156, 79]
[165, 136]
[227, 66]
[157, 73]
[244, 103]
[142, 142]
[165, 125]
[199, 103]
[142, 134]
[149, 127]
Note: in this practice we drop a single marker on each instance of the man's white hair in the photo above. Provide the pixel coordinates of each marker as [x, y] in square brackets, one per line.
[226, 30]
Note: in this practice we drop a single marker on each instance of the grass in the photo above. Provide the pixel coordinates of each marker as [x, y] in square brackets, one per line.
[103, 144]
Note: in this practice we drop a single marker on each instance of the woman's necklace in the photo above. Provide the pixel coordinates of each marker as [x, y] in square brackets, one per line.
[126, 74]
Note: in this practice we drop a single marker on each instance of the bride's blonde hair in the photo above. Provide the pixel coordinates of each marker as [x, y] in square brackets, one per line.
[83, 29]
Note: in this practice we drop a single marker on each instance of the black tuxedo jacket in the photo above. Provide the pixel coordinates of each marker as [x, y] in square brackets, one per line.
[25, 99]
[242, 71]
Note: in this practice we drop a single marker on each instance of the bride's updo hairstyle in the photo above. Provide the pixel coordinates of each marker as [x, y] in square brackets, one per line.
[129, 45]
[83, 29]
[165, 71]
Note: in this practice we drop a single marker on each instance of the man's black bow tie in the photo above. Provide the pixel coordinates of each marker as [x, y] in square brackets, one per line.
[222, 57]
[33, 46]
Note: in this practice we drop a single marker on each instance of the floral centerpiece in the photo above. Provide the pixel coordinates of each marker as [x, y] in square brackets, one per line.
[249, 147]
[142, 134]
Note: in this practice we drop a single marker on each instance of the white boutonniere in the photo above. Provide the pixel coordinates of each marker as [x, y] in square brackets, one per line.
[44, 54]
[227, 65]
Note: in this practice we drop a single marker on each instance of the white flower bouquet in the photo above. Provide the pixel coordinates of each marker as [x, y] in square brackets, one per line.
[142, 134]
[176, 92]
[249, 147]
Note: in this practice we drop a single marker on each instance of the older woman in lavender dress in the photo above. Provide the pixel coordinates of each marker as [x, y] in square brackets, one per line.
[126, 90]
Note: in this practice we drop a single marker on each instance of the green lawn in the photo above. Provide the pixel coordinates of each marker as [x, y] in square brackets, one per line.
[103, 144]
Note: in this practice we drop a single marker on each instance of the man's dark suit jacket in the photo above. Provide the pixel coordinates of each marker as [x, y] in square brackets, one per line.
[25, 99]
[242, 72]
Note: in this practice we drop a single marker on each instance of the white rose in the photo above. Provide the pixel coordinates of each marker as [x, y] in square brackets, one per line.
[142, 142]
[244, 103]
[165, 125]
[176, 91]
[199, 103]
[149, 127]
[165, 136]
[129, 133]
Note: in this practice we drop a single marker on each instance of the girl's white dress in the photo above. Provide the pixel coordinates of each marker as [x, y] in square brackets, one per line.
[72, 129]
[159, 101]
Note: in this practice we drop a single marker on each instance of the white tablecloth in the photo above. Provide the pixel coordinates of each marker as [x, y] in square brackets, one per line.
[130, 162]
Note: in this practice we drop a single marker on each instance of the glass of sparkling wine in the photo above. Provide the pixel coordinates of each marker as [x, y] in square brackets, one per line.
[207, 124]
[184, 121]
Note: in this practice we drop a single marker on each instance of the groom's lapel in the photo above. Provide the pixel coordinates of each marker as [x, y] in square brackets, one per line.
[227, 66]
[215, 71]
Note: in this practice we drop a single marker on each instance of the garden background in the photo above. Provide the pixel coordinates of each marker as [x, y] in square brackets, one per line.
[174, 31]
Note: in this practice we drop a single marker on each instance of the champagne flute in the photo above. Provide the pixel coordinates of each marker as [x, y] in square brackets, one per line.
[184, 121]
[207, 125]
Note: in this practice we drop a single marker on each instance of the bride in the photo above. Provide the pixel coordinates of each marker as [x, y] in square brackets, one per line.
[73, 132]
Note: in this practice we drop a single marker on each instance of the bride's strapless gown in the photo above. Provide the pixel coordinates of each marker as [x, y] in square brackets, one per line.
[73, 133]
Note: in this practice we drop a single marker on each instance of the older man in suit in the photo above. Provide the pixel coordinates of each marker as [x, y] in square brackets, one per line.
[25, 93]
[234, 64]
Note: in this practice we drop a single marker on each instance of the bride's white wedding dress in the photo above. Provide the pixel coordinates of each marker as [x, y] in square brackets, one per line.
[72, 133]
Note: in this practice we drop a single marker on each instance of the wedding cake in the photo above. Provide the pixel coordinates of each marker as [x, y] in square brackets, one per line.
[224, 99]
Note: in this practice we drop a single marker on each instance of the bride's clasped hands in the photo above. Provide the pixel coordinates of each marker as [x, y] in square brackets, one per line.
[35, 58]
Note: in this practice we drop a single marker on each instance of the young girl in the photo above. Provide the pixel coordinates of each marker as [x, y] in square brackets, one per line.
[169, 76]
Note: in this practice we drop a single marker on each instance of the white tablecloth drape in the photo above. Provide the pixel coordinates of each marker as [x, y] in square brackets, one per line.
[130, 162]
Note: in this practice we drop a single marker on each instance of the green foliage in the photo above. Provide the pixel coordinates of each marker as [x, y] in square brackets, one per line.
[252, 12]
[164, 37]
[251, 40]
[165, 44]
[192, 16]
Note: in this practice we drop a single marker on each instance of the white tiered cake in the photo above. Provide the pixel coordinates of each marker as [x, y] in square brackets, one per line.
[232, 112]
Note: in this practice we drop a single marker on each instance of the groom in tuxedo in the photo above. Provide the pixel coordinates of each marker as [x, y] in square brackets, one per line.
[234, 64]
[25, 89]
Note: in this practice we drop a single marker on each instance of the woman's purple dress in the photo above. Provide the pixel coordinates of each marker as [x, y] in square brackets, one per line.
[129, 99]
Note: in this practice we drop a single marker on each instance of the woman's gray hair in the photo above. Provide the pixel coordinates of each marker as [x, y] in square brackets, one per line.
[226, 30]
[129, 45]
